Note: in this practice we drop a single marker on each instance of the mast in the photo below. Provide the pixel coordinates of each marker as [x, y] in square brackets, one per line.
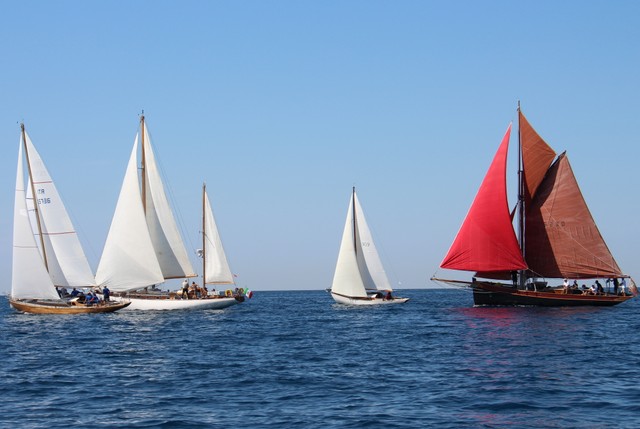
[142, 165]
[521, 185]
[353, 205]
[34, 196]
[204, 247]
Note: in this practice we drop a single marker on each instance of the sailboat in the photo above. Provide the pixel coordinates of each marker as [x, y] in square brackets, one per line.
[144, 246]
[359, 278]
[56, 259]
[557, 239]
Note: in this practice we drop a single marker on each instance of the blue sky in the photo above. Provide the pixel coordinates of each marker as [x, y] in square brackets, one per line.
[282, 106]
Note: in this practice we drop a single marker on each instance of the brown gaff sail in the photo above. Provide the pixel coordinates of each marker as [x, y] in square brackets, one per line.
[561, 239]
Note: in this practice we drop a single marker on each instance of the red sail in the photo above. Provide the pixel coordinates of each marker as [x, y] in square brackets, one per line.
[486, 241]
[537, 156]
[562, 239]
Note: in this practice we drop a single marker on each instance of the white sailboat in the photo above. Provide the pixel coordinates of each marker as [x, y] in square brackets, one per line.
[56, 259]
[360, 278]
[144, 246]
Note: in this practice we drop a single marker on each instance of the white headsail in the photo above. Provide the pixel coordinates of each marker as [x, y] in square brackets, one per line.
[66, 261]
[216, 266]
[166, 238]
[372, 261]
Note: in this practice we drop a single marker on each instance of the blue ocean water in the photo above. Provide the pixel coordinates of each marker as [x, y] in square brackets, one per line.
[296, 359]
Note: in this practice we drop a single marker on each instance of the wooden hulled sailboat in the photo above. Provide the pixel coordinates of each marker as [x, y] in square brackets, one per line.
[359, 278]
[144, 246]
[557, 236]
[56, 259]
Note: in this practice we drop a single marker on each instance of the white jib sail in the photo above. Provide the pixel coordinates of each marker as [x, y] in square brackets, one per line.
[128, 260]
[369, 252]
[29, 278]
[347, 279]
[67, 262]
[166, 238]
[216, 265]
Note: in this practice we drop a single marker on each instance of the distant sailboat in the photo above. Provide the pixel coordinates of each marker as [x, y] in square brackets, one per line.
[359, 278]
[557, 236]
[144, 246]
[57, 258]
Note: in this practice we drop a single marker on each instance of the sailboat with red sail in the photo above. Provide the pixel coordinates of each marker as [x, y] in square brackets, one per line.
[555, 241]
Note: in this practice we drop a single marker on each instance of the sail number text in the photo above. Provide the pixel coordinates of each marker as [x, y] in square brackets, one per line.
[42, 199]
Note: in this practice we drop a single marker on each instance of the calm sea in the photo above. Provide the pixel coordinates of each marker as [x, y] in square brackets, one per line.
[296, 359]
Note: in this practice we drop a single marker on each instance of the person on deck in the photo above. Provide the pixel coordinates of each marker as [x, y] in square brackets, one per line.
[91, 299]
[388, 297]
[75, 292]
[616, 284]
[106, 293]
[185, 289]
[192, 290]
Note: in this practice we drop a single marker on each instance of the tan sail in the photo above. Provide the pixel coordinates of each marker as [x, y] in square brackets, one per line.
[562, 239]
[537, 156]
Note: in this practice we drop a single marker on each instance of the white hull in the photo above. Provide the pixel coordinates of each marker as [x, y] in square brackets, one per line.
[346, 300]
[178, 304]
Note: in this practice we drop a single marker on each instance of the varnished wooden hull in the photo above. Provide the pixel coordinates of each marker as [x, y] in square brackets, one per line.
[45, 307]
[486, 293]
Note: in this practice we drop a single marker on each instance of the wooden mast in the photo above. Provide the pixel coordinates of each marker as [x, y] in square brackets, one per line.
[143, 165]
[353, 205]
[521, 184]
[204, 236]
[34, 197]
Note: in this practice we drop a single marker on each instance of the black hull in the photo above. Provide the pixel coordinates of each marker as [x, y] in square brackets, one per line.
[494, 294]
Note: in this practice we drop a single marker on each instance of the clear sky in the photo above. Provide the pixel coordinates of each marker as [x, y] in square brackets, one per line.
[282, 106]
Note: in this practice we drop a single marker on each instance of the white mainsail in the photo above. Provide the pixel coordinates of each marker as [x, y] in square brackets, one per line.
[129, 260]
[66, 261]
[359, 267]
[30, 279]
[144, 246]
[216, 266]
[347, 279]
